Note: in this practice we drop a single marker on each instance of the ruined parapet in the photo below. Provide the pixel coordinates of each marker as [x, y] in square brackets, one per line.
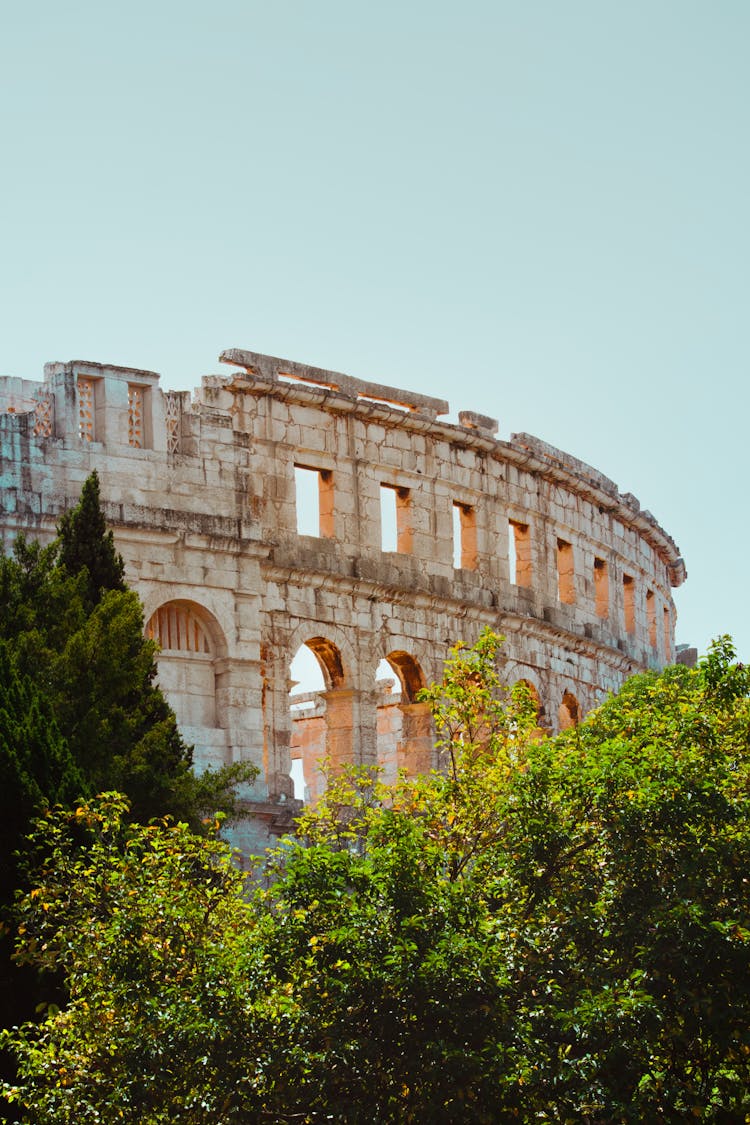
[282, 504]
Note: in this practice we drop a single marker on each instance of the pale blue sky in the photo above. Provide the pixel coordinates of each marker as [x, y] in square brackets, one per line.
[536, 210]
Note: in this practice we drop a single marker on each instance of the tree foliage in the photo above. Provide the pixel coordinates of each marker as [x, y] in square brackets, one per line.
[87, 544]
[72, 628]
[549, 930]
[36, 766]
[156, 946]
[80, 711]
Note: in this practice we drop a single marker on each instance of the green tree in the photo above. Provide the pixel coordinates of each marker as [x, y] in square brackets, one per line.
[36, 767]
[156, 939]
[87, 544]
[75, 630]
[551, 930]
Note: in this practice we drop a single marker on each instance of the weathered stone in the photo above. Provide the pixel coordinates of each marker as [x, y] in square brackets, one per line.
[201, 493]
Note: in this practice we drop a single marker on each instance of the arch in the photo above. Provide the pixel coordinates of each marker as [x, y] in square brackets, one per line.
[331, 645]
[513, 672]
[532, 690]
[190, 640]
[176, 626]
[323, 728]
[568, 713]
[328, 656]
[183, 625]
[404, 725]
[542, 725]
[305, 676]
[535, 698]
[409, 673]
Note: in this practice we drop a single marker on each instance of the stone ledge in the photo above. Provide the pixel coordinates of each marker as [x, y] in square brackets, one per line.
[272, 369]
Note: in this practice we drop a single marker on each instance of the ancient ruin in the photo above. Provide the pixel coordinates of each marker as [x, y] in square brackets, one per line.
[413, 533]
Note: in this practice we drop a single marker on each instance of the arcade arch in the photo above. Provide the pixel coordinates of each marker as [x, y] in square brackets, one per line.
[321, 715]
[541, 719]
[569, 712]
[404, 725]
[191, 643]
[325, 707]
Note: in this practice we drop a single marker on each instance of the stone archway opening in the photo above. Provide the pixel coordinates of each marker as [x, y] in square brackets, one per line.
[569, 712]
[190, 642]
[404, 726]
[542, 726]
[192, 673]
[307, 707]
[320, 707]
[386, 682]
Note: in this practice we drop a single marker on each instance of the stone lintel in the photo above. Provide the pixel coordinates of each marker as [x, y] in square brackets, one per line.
[90, 367]
[272, 369]
[473, 421]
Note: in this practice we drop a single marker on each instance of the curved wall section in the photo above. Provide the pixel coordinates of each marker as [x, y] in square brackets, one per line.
[282, 504]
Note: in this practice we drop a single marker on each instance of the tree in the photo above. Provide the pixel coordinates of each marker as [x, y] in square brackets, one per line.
[157, 945]
[87, 544]
[36, 766]
[79, 708]
[550, 930]
[73, 628]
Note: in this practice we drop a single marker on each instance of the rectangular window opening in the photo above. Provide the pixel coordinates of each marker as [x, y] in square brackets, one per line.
[395, 519]
[566, 589]
[519, 553]
[667, 623]
[628, 592]
[314, 499]
[651, 617]
[601, 587]
[464, 537]
[325, 503]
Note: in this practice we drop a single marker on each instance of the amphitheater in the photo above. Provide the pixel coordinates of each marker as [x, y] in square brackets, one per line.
[282, 505]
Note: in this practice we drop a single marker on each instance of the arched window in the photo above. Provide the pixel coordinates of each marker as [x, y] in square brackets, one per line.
[409, 674]
[404, 733]
[178, 627]
[321, 719]
[568, 714]
[189, 639]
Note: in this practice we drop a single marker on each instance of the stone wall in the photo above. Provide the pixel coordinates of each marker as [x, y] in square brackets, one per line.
[202, 493]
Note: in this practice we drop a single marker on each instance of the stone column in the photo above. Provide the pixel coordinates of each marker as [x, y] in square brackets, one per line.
[239, 689]
[351, 727]
[277, 725]
[416, 750]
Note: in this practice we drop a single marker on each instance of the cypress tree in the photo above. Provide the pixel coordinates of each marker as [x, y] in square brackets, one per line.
[85, 542]
[37, 769]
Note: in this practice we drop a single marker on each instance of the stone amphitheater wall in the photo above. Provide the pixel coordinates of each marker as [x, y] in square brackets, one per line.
[202, 492]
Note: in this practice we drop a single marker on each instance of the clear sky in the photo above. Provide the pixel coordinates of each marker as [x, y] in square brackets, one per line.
[536, 210]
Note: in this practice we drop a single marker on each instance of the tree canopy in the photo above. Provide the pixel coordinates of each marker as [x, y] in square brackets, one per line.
[72, 629]
[548, 930]
[85, 543]
[80, 711]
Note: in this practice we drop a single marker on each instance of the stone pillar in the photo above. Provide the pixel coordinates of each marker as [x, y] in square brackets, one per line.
[339, 718]
[277, 724]
[416, 750]
[351, 727]
[238, 706]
